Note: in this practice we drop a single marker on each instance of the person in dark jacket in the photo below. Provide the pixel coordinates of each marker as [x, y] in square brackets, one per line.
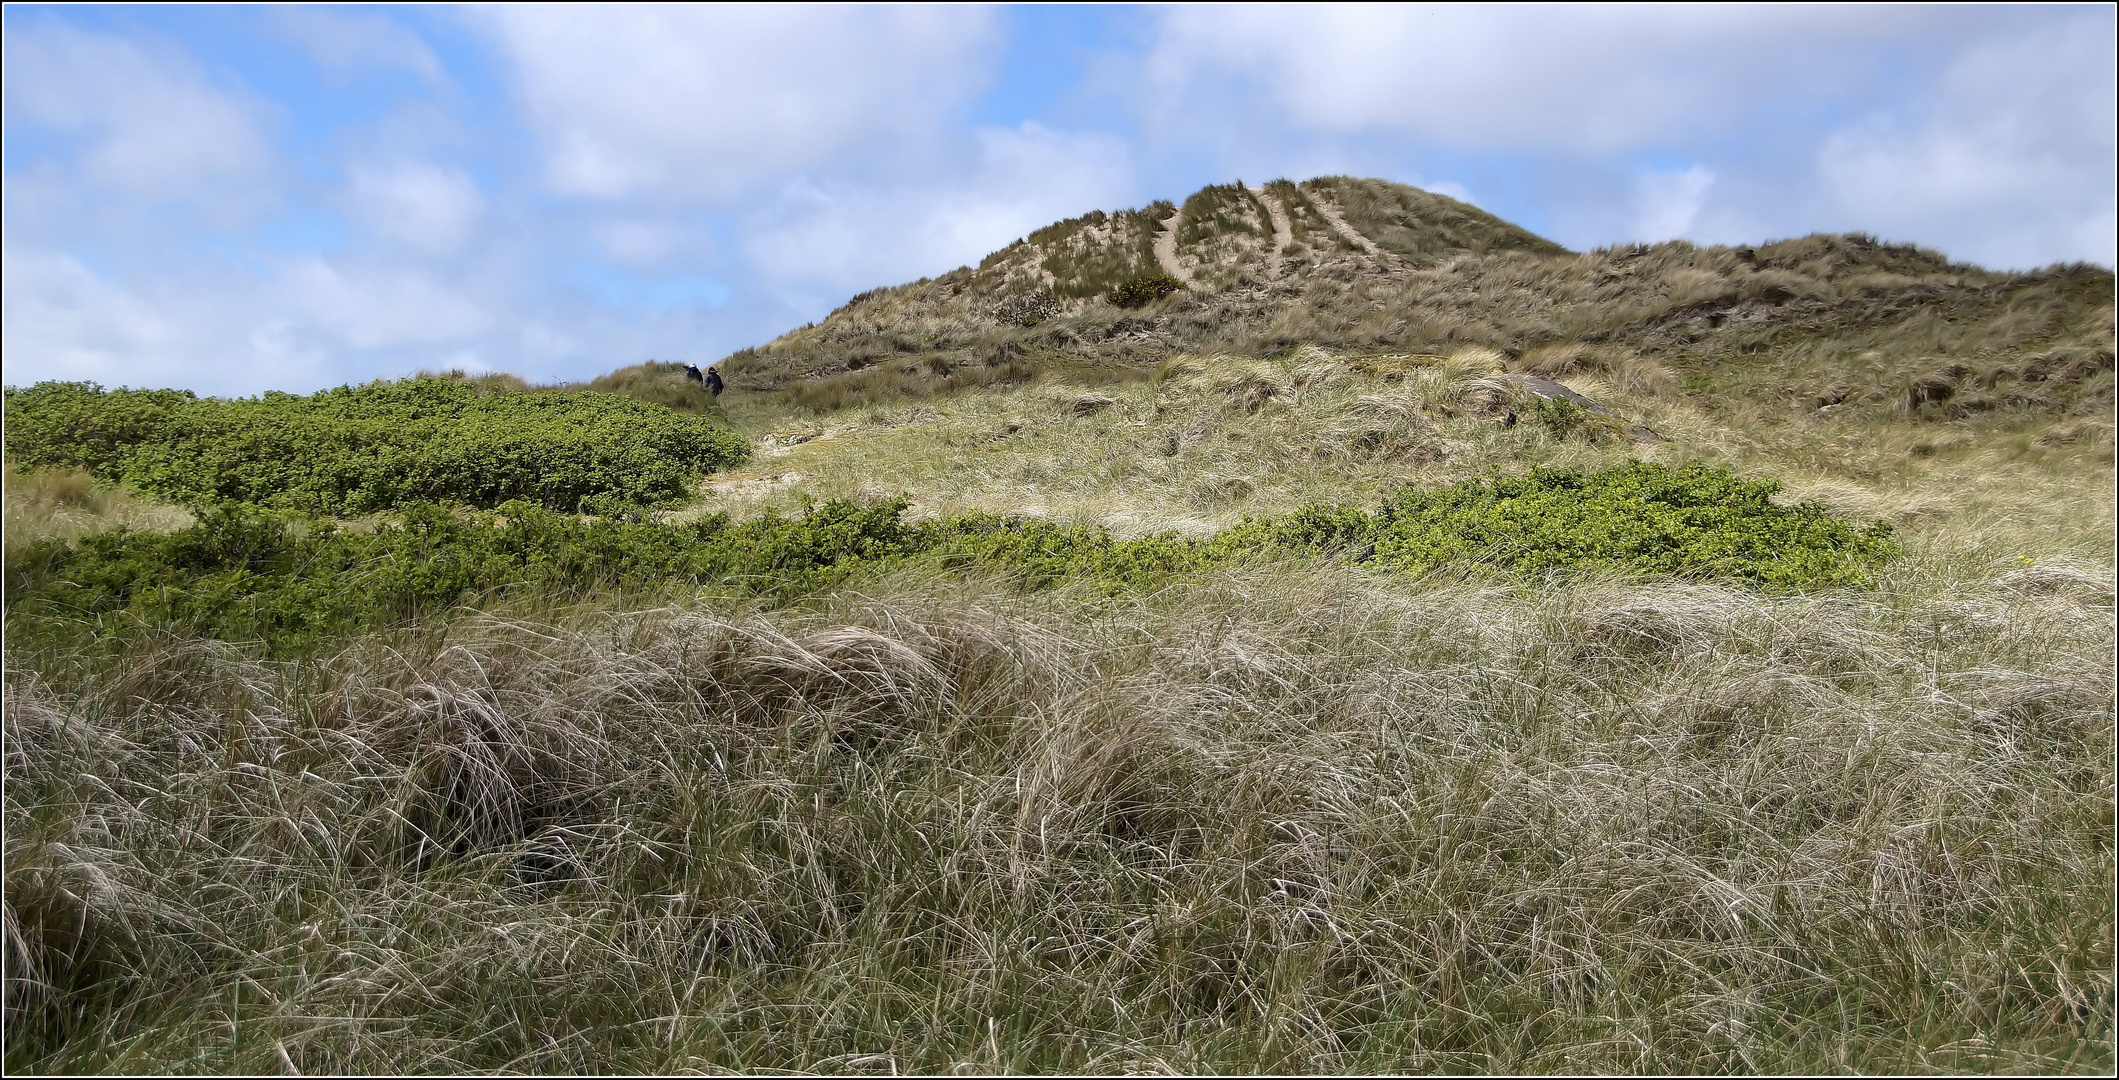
[691, 371]
[713, 381]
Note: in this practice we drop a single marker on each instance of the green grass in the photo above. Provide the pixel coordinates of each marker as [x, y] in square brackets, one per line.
[1217, 210]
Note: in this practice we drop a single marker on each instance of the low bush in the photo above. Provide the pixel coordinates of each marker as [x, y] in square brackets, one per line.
[1144, 290]
[1027, 309]
[355, 450]
[243, 574]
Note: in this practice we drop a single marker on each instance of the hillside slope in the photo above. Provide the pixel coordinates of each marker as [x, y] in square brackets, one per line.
[1043, 685]
[1845, 323]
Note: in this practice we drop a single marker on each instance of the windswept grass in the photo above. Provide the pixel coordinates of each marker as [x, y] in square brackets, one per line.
[1421, 226]
[67, 504]
[657, 383]
[1283, 819]
[1813, 331]
[1267, 678]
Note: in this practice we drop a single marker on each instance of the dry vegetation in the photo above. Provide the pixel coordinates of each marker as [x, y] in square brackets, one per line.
[69, 504]
[1823, 328]
[1284, 816]
[1292, 820]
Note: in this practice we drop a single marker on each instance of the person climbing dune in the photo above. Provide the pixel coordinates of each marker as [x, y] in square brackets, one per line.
[714, 384]
[691, 373]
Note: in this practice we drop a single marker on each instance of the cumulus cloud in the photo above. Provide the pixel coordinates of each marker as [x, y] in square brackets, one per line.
[427, 207]
[379, 308]
[1584, 78]
[702, 101]
[66, 322]
[345, 43]
[1668, 203]
[727, 173]
[1984, 132]
[299, 323]
[1450, 189]
[140, 123]
[848, 236]
[2013, 164]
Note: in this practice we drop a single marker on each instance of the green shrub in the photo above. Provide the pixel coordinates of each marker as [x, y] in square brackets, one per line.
[1568, 420]
[1693, 521]
[1144, 290]
[242, 573]
[355, 450]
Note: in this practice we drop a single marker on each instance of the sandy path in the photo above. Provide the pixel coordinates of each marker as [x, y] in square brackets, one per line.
[1166, 250]
[1283, 232]
[1339, 224]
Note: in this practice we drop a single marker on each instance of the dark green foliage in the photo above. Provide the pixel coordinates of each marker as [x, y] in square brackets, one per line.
[77, 424]
[242, 574]
[354, 450]
[1695, 521]
[1567, 420]
[1144, 290]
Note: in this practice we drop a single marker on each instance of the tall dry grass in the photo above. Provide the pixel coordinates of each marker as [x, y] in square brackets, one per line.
[1818, 330]
[69, 503]
[1289, 819]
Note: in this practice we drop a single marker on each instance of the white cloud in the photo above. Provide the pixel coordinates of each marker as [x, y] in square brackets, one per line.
[427, 207]
[65, 322]
[344, 42]
[1451, 189]
[1585, 78]
[1986, 132]
[848, 237]
[150, 126]
[215, 329]
[1668, 203]
[689, 101]
[2013, 165]
[384, 308]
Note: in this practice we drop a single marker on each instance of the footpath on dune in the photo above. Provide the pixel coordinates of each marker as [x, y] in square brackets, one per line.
[1340, 225]
[1166, 250]
[1283, 232]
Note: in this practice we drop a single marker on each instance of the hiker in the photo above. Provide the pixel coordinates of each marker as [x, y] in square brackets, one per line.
[691, 371]
[713, 381]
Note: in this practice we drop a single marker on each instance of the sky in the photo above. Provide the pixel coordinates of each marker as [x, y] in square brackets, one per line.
[240, 199]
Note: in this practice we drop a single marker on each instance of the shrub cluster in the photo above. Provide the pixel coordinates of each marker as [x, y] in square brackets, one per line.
[354, 450]
[241, 573]
[1027, 309]
[1143, 290]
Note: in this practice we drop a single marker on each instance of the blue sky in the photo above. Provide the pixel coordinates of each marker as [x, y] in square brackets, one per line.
[237, 199]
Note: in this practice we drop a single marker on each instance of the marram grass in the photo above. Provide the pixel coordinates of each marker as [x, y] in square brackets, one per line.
[1287, 817]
